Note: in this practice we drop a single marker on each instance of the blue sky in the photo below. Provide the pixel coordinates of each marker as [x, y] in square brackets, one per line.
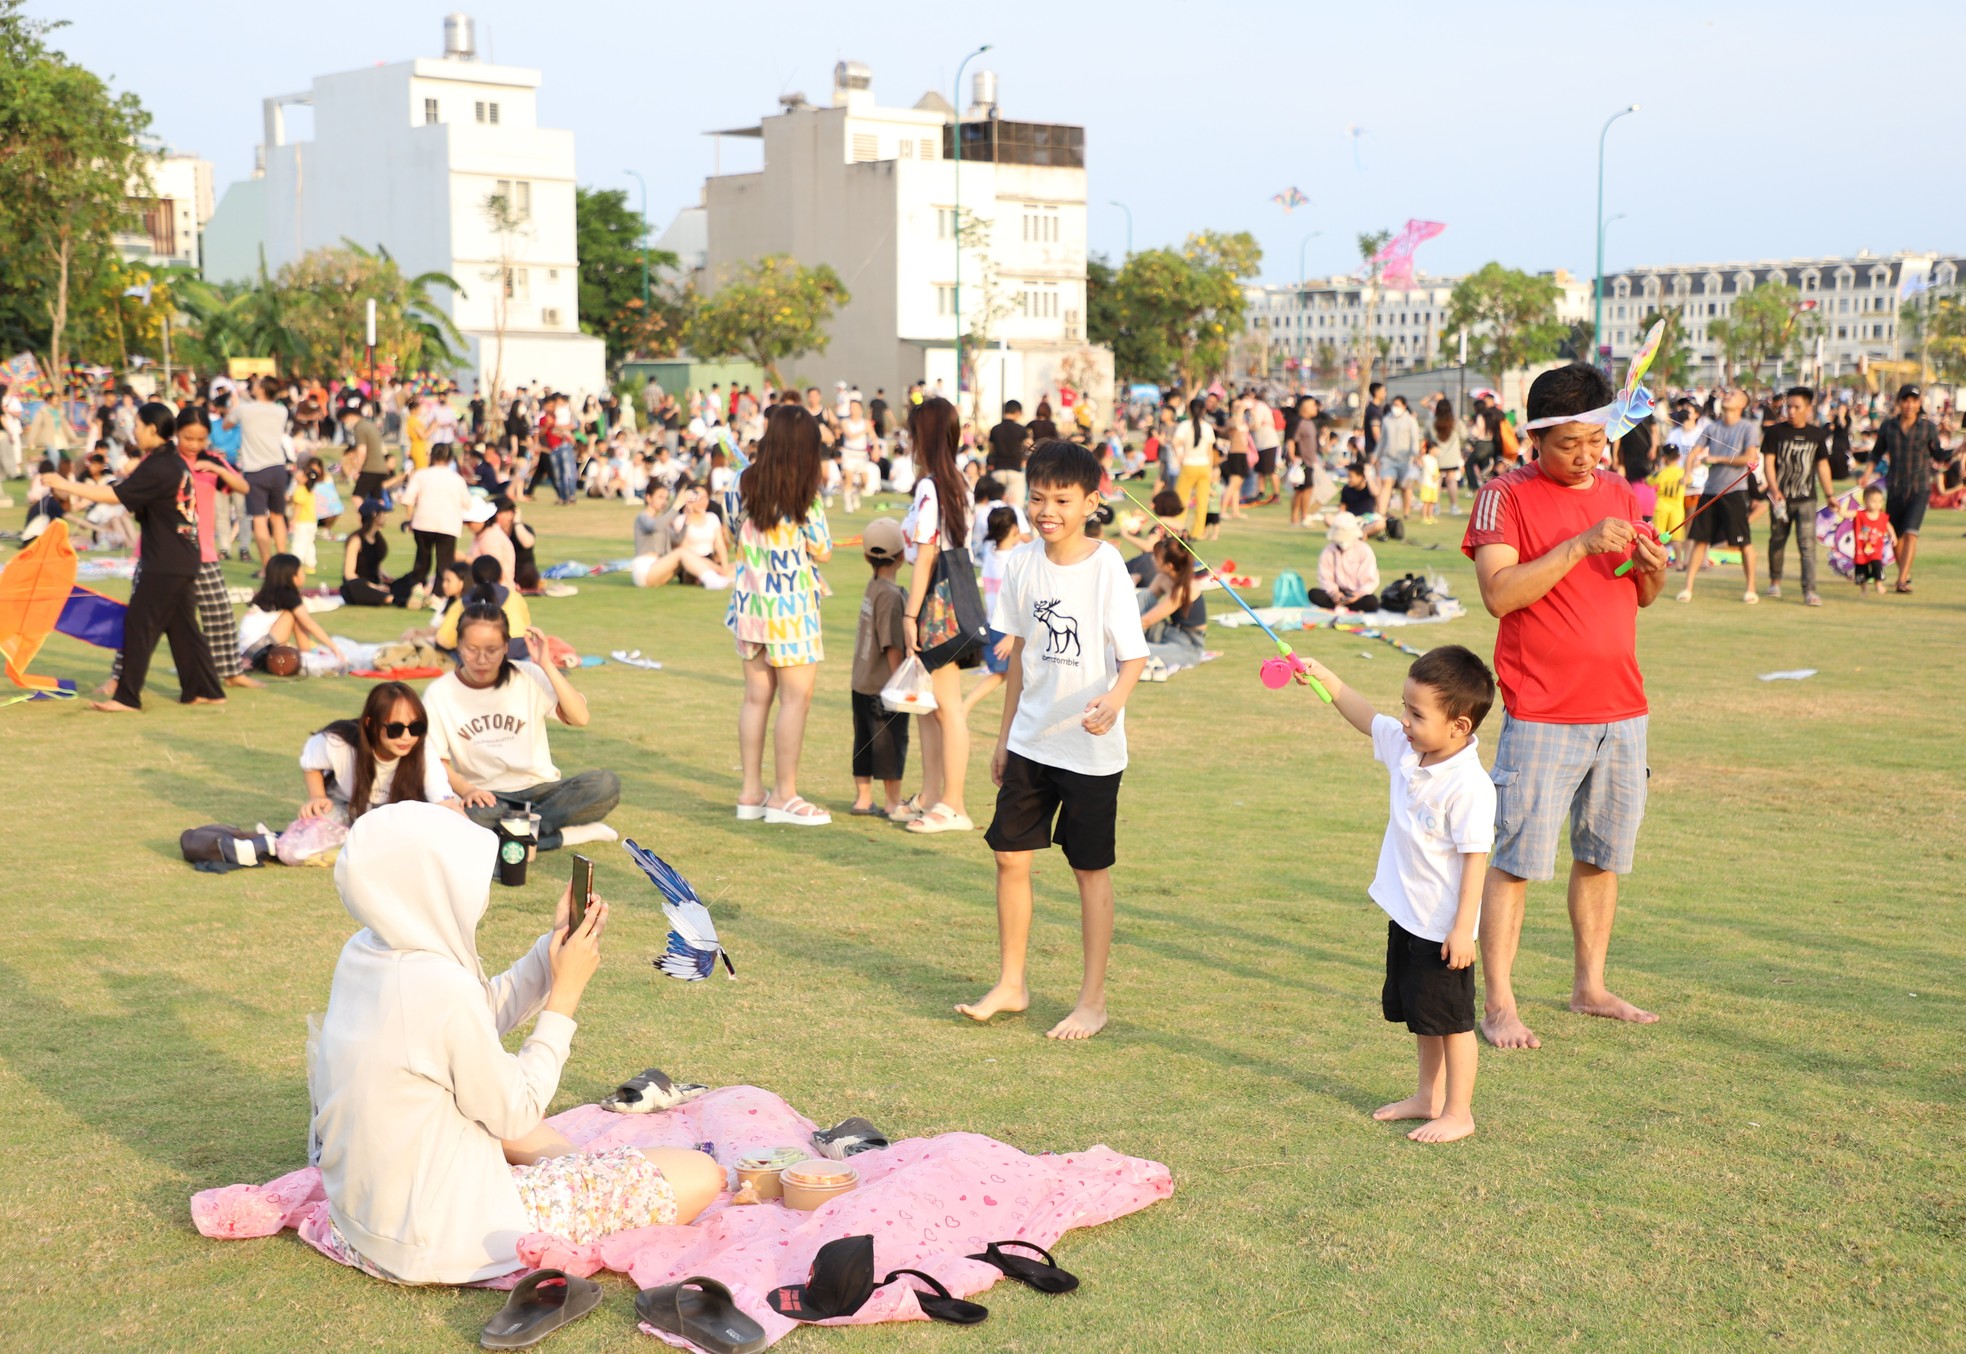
[1766, 131]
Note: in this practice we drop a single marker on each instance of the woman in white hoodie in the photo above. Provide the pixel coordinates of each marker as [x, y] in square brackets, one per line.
[434, 1153]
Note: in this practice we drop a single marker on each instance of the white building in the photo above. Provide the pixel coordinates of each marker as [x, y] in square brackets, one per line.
[406, 156]
[172, 198]
[872, 191]
[1854, 302]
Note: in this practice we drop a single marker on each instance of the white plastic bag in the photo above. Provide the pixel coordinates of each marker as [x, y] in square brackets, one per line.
[908, 691]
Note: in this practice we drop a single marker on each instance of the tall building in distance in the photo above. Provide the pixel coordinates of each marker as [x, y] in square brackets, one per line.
[171, 200]
[872, 192]
[408, 156]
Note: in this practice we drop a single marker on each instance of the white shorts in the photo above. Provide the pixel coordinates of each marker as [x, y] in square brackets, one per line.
[642, 567]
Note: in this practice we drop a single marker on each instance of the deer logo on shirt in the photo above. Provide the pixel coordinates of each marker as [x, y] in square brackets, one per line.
[1061, 632]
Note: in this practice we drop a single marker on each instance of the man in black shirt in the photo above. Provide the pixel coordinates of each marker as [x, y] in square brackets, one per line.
[1375, 417]
[1903, 454]
[1009, 440]
[1795, 462]
[877, 411]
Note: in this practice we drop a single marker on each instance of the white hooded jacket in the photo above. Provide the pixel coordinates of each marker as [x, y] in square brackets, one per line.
[412, 1087]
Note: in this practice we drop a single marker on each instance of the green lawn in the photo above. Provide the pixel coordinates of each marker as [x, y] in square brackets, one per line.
[1777, 1163]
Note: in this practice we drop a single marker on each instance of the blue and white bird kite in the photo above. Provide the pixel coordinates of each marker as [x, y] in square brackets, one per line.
[693, 946]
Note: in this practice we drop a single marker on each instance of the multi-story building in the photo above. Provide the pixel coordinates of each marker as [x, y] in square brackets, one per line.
[409, 156]
[172, 200]
[872, 191]
[1852, 303]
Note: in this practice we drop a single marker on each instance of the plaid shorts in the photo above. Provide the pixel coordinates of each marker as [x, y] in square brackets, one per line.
[1594, 774]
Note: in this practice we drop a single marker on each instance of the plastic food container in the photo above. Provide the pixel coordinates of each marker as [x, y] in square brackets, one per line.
[765, 1181]
[811, 1184]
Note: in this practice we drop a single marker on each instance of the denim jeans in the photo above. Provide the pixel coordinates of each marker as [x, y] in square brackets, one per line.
[584, 798]
[566, 472]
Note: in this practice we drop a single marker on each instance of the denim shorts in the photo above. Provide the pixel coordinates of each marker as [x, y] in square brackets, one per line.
[1592, 774]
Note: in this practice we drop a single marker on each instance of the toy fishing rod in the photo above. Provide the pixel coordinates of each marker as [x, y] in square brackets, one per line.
[1665, 537]
[1276, 671]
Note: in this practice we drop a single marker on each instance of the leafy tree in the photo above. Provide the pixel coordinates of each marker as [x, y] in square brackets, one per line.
[507, 226]
[614, 266]
[1105, 319]
[1674, 362]
[1509, 316]
[771, 310]
[1768, 324]
[68, 155]
[1943, 336]
[322, 301]
[1177, 311]
[1370, 242]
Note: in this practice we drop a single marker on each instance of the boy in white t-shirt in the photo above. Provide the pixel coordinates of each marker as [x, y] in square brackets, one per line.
[1431, 866]
[1077, 651]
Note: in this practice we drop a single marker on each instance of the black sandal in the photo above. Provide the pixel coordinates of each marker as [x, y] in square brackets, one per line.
[939, 1305]
[540, 1304]
[1046, 1277]
[702, 1312]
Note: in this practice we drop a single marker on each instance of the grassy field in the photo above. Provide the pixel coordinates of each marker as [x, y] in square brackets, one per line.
[1775, 1164]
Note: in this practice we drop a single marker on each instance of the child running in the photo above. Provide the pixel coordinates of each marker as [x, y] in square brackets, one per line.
[1077, 652]
[1431, 865]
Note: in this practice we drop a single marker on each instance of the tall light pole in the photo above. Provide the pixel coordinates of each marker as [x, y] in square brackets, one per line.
[645, 236]
[1598, 341]
[1597, 312]
[1300, 254]
[958, 225]
[1129, 224]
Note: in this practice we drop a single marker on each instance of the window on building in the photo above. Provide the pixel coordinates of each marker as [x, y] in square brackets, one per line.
[945, 300]
[552, 274]
[1072, 324]
[430, 118]
[866, 147]
[927, 149]
[945, 223]
[907, 148]
[550, 316]
[515, 284]
[481, 110]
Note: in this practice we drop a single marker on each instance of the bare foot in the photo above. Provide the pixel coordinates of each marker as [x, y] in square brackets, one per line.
[1413, 1107]
[999, 1000]
[114, 708]
[1447, 1128]
[206, 700]
[1611, 1007]
[1505, 1029]
[1084, 1022]
[241, 679]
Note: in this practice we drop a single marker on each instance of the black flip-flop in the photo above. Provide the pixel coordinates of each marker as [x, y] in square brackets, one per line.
[939, 1305]
[703, 1312]
[542, 1303]
[1046, 1277]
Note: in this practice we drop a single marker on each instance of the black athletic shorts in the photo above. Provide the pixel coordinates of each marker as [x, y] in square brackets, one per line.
[1235, 466]
[1431, 998]
[266, 491]
[1266, 461]
[1907, 515]
[880, 739]
[1725, 523]
[1033, 794]
[1870, 571]
[368, 485]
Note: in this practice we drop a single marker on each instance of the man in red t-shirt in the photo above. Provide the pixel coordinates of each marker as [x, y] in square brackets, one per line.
[1547, 539]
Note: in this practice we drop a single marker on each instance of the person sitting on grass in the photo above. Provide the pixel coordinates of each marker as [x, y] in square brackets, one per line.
[447, 601]
[485, 583]
[488, 726]
[363, 583]
[434, 1151]
[1173, 613]
[1431, 865]
[279, 615]
[1359, 496]
[354, 765]
[1347, 570]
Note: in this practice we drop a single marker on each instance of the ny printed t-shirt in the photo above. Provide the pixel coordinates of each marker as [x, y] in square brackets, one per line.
[494, 736]
[1079, 622]
[1571, 656]
[1439, 814]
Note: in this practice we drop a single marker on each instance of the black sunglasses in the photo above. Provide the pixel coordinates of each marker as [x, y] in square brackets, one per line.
[416, 727]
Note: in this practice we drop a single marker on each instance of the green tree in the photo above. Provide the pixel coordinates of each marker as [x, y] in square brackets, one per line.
[68, 158]
[1767, 324]
[1364, 350]
[1674, 362]
[322, 302]
[614, 266]
[1176, 312]
[769, 311]
[1942, 334]
[1509, 316]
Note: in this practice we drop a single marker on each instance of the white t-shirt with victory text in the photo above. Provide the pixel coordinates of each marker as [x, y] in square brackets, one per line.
[494, 736]
[1079, 622]
[1440, 815]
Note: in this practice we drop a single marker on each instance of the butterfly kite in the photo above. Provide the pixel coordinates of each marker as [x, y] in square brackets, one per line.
[693, 946]
[1633, 404]
[1289, 199]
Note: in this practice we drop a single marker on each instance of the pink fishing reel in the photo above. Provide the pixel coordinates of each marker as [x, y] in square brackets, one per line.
[1276, 672]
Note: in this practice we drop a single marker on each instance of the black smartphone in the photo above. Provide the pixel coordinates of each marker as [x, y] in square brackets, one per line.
[583, 886]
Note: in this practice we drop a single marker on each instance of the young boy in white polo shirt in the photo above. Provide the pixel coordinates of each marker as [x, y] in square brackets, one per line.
[1077, 651]
[1431, 866]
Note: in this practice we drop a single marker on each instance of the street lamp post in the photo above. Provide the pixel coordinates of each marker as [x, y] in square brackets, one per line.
[645, 236]
[958, 225]
[1597, 311]
[1129, 224]
[1304, 337]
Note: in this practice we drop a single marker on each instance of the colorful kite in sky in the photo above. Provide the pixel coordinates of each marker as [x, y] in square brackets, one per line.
[1395, 257]
[1289, 199]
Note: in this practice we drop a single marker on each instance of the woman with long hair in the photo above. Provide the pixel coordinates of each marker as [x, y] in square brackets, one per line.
[363, 583]
[774, 611]
[163, 600]
[354, 765]
[1172, 611]
[1195, 455]
[1450, 450]
[279, 615]
[938, 519]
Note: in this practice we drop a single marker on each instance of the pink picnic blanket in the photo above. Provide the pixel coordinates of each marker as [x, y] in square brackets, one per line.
[927, 1202]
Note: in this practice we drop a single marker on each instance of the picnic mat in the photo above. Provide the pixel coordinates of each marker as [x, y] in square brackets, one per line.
[927, 1202]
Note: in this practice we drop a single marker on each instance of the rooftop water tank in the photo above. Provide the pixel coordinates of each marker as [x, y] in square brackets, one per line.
[460, 38]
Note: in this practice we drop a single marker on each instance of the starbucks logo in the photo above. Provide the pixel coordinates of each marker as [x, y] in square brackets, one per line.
[512, 852]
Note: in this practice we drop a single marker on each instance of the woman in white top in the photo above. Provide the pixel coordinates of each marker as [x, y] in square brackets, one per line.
[704, 539]
[856, 442]
[354, 765]
[1445, 440]
[1197, 455]
[437, 496]
[938, 519]
[434, 1151]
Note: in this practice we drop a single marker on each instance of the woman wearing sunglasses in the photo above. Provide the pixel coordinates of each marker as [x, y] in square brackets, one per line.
[354, 765]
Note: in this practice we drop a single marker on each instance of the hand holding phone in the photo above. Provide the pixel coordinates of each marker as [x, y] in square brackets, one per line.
[578, 892]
